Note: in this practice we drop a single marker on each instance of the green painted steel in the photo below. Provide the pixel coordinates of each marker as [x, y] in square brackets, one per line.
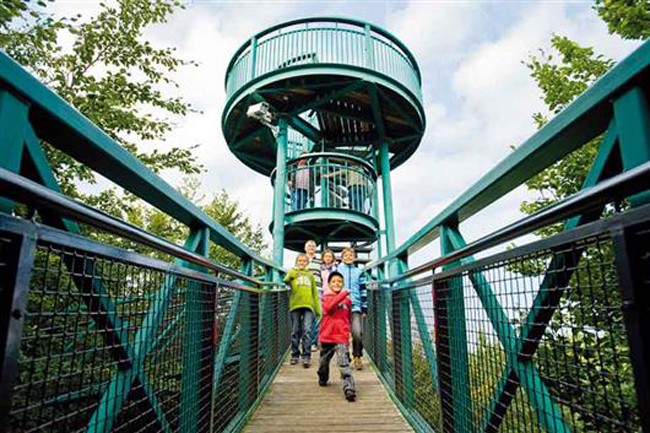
[13, 118]
[315, 41]
[633, 120]
[584, 119]
[457, 335]
[278, 193]
[65, 128]
[199, 242]
[389, 221]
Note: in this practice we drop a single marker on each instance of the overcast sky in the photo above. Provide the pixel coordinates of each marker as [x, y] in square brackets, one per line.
[478, 95]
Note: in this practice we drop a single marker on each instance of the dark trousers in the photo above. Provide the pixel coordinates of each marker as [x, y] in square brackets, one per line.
[357, 335]
[343, 360]
[299, 199]
[302, 320]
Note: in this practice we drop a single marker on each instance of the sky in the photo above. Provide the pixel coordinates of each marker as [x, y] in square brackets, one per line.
[478, 94]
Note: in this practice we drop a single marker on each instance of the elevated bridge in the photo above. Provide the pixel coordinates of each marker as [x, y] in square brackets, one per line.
[138, 334]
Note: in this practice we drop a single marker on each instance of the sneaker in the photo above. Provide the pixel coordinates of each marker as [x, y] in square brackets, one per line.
[306, 363]
[322, 382]
[357, 363]
[293, 361]
[350, 395]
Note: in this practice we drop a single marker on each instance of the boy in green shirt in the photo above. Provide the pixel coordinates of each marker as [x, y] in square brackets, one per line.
[304, 305]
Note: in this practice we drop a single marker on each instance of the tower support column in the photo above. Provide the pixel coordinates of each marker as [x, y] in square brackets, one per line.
[279, 189]
[389, 221]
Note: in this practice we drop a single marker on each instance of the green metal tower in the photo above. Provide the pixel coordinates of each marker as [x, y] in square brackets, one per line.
[325, 107]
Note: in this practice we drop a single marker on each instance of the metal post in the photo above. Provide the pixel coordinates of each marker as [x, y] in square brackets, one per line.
[633, 125]
[253, 57]
[402, 346]
[279, 192]
[632, 263]
[192, 339]
[13, 120]
[18, 258]
[453, 362]
[389, 225]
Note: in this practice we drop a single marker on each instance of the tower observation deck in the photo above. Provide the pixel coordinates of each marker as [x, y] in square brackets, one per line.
[343, 106]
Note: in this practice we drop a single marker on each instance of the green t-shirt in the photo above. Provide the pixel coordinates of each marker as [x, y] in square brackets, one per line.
[303, 290]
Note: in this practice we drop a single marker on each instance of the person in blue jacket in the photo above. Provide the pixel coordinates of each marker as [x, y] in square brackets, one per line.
[355, 283]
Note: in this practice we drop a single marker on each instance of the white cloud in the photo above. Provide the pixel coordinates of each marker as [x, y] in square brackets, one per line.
[478, 95]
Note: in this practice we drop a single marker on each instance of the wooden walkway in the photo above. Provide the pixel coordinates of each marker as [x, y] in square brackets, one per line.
[295, 403]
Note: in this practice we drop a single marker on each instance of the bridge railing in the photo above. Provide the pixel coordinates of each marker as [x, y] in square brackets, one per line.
[103, 339]
[551, 335]
[98, 338]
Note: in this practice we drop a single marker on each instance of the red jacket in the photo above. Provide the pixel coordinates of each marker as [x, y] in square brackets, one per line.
[335, 326]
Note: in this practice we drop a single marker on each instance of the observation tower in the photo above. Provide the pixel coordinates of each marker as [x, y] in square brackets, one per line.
[326, 107]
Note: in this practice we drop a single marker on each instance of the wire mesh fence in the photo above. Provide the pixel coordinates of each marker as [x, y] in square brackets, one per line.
[115, 341]
[530, 340]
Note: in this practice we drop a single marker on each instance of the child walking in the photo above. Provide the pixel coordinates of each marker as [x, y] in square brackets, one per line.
[304, 305]
[335, 334]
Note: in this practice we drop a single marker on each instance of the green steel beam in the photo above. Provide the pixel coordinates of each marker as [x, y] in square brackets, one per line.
[199, 242]
[322, 100]
[278, 193]
[459, 358]
[251, 136]
[417, 125]
[305, 128]
[584, 119]
[548, 414]
[13, 118]
[222, 351]
[606, 164]
[405, 351]
[425, 338]
[65, 128]
[376, 112]
[633, 117]
[242, 117]
[247, 353]
[389, 219]
[122, 381]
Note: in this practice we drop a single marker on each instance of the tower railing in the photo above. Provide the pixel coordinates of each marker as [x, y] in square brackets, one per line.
[330, 181]
[323, 42]
[551, 335]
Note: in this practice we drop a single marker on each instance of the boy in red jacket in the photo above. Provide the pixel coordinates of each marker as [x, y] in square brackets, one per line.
[335, 334]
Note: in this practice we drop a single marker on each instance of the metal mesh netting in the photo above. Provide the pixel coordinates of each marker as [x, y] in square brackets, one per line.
[526, 342]
[104, 342]
[114, 341]
[562, 365]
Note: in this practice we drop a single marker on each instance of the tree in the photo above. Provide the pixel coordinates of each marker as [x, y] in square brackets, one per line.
[221, 208]
[561, 79]
[629, 19]
[111, 74]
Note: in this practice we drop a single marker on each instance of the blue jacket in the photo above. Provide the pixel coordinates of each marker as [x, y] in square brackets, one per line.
[354, 281]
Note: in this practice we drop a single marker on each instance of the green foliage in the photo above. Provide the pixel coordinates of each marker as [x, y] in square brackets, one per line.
[562, 77]
[110, 73]
[628, 18]
[232, 217]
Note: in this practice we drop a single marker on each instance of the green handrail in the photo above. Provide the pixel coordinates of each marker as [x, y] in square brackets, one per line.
[323, 41]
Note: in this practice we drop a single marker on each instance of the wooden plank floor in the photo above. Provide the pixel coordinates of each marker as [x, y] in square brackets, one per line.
[295, 403]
